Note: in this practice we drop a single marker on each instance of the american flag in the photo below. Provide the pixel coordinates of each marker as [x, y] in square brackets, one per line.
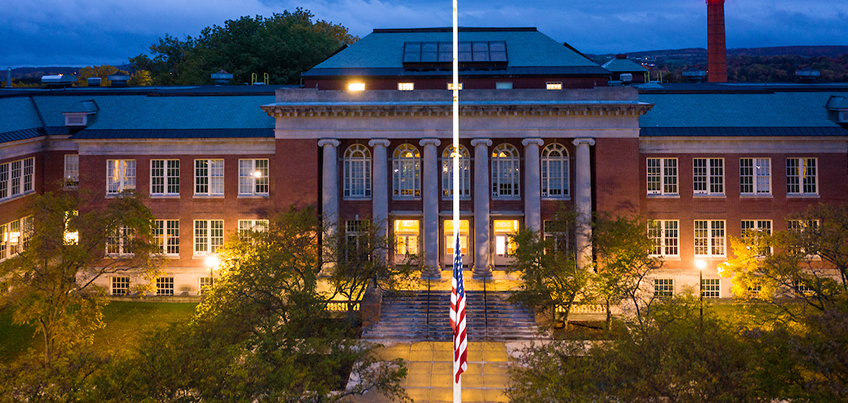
[457, 316]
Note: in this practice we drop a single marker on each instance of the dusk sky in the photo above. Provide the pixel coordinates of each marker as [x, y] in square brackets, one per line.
[95, 32]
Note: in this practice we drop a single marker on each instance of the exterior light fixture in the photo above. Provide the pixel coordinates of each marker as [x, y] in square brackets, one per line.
[356, 87]
[257, 174]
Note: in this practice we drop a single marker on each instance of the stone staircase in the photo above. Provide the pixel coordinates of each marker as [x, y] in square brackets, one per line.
[404, 316]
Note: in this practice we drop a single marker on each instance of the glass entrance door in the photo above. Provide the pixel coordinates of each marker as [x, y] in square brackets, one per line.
[449, 243]
[504, 244]
[406, 239]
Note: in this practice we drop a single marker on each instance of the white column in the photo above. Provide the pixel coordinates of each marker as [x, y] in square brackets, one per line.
[329, 188]
[481, 208]
[380, 185]
[532, 184]
[583, 199]
[430, 198]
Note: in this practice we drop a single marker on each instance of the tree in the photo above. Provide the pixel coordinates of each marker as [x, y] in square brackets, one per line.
[103, 72]
[283, 45]
[262, 333]
[51, 282]
[623, 259]
[551, 280]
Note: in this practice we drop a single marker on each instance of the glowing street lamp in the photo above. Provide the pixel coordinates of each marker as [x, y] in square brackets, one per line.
[257, 174]
[212, 263]
[701, 265]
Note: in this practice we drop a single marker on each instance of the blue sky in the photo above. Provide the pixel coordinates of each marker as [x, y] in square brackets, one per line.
[94, 32]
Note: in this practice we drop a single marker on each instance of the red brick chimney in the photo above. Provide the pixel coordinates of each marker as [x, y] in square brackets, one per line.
[716, 47]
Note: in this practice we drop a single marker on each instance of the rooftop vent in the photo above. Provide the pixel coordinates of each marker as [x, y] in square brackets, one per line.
[695, 76]
[58, 81]
[94, 81]
[807, 75]
[621, 56]
[222, 78]
[118, 80]
[626, 78]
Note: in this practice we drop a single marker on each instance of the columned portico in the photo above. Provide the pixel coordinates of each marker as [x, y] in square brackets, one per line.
[380, 194]
[481, 208]
[430, 197]
[532, 184]
[583, 198]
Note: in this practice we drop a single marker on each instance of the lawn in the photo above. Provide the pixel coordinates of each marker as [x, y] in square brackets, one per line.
[125, 322]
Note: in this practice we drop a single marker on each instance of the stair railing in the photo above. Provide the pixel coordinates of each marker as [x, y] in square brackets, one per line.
[485, 310]
[427, 329]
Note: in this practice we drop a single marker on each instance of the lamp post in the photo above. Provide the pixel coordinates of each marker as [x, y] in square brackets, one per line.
[212, 262]
[700, 264]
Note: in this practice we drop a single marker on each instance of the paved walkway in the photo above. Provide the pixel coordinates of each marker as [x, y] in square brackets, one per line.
[430, 368]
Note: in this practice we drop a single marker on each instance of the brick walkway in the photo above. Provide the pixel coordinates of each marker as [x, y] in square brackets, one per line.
[430, 366]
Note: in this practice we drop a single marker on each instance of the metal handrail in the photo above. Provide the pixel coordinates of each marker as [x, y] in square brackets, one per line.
[485, 310]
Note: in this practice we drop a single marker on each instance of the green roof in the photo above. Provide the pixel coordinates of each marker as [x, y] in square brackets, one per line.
[162, 112]
[778, 109]
[18, 113]
[526, 47]
[624, 66]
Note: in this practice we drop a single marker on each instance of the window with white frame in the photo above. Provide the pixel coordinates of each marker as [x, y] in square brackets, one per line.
[71, 171]
[14, 237]
[558, 235]
[245, 227]
[167, 236]
[755, 176]
[801, 226]
[708, 176]
[506, 173]
[662, 176]
[209, 177]
[356, 235]
[208, 236]
[801, 176]
[709, 238]
[120, 176]
[663, 287]
[464, 173]
[406, 172]
[711, 288]
[119, 242]
[357, 172]
[253, 177]
[120, 285]
[165, 286]
[665, 234]
[164, 177]
[555, 177]
[755, 230]
[205, 284]
[16, 178]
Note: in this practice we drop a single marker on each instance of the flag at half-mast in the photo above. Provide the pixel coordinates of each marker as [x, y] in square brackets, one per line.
[457, 316]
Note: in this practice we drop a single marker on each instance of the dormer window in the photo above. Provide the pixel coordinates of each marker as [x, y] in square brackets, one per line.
[479, 52]
[76, 119]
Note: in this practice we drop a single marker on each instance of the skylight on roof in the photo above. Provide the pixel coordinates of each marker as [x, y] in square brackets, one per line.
[442, 52]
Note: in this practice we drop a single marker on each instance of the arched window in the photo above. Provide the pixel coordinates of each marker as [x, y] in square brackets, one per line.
[505, 171]
[555, 171]
[464, 173]
[406, 172]
[357, 172]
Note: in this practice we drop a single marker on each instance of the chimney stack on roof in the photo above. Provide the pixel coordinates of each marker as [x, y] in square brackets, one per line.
[621, 56]
[222, 78]
[716, 44]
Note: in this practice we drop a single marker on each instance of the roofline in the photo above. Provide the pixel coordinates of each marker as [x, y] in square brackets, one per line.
[450, 29]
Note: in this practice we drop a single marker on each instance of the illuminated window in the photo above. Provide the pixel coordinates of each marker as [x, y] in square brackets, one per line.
[120, 176]
[356, 87]
[555, 171]
[406, 237]
[357, 172]
[553, 85]
[505, 230]
[450, 243]
[801, 174]
[464, 173]
[167, 236]
[505, 171]
[253, 177]
[406, 86]
[450, 86]
[71, 170]
[406, 172]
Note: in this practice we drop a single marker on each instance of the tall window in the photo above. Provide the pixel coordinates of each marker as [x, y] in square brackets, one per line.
[120, 176]
[71, 170]
[164, 177]
[755, 176]
[708, 175]
[253, 177]
[209, 177]
[662, 176]
[464, 173]
[555, 171]
[14, 237]
[167, 236]
[208, 236]
[119, 242]
[16, 177]
[356, 235]
[802, 245]
[709, 238]
[357, 172]
[754, 230]
[665, 234]
[406, 172]
[558, 236]
[801, 174]
[505, 171]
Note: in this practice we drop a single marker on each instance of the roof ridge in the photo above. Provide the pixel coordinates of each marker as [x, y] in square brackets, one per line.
[450, 29]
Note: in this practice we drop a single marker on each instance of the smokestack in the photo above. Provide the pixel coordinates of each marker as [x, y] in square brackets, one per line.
[716, 45]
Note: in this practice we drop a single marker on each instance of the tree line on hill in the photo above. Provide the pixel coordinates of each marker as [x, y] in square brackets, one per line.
[761, 69]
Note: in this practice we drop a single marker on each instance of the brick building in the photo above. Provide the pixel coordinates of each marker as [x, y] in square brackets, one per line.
[368, 138]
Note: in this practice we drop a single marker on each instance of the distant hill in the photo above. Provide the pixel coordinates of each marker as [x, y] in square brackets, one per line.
[33, 74]
[699, 55]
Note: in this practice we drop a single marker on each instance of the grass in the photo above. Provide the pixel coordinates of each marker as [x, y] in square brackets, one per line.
[126, 322]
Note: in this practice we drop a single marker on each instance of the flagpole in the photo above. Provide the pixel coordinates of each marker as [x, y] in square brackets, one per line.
[457, 380]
